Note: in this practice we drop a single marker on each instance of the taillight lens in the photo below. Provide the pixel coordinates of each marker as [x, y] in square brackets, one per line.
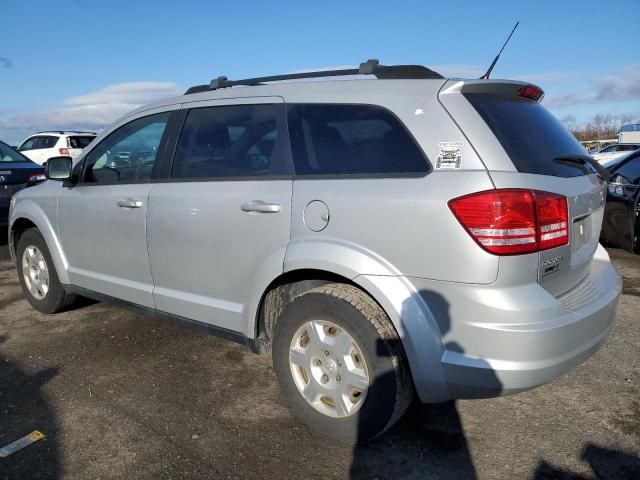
[553, 220]
[36, 178]
[64, 152]
[513, 221]
[531, 92]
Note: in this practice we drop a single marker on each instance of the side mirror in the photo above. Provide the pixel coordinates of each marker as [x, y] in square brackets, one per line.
[58, 168]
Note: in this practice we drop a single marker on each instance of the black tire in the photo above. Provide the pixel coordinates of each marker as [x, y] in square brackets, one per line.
[56, 299]
[390, 391]
[616, 226]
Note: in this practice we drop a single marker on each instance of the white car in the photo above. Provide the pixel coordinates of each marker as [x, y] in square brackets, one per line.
[614, 151]
[41, 146]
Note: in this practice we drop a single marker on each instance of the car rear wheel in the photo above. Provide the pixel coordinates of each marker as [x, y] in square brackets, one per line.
[616, 226]
[340, 363]
[38, 278]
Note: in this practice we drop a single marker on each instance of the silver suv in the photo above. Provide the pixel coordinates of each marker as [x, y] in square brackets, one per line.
[395, 234]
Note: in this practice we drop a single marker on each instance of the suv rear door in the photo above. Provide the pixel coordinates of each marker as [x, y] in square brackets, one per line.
[524, 146]
[222, 219]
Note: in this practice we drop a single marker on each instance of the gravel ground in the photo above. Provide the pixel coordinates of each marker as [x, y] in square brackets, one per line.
[123, 396]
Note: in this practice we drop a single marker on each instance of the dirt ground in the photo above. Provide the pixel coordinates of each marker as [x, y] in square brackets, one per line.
[124, 396]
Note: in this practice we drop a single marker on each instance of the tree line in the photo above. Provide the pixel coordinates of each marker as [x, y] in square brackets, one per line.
[601, 127]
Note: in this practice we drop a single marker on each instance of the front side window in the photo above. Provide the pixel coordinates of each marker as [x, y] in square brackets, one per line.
[129, 154]
[232, 141]
[334, 139]
[28, 144]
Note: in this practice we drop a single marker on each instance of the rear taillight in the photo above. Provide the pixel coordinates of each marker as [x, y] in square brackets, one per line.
[513, 221]
[36, 178]
[64, 152]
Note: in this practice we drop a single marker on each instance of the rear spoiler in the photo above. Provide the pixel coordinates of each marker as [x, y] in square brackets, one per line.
[502, 88]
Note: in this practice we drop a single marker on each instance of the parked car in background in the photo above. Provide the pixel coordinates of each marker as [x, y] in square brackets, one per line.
[614, 151]
[44, 145]
[629, 133]
[16, 172]
[621, 226]
[377, 237]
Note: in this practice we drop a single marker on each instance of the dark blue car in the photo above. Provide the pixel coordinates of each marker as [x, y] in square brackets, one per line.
[16, 172]
[621, 224]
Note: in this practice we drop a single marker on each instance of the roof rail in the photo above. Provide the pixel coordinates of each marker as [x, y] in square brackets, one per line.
[370, 67]
[63, 132]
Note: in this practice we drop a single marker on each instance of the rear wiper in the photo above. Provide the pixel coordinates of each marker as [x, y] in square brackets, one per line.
[586, 160]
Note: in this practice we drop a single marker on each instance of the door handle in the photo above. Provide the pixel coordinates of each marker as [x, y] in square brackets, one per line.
[129, 203]
[258, 206]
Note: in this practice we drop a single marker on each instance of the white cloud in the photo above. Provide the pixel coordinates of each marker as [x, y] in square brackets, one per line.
[94, 110]
[136, 93]
[621, 87]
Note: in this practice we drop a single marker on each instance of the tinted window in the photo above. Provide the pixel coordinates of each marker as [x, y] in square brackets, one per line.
[351, 139]
[531, 135]
[627, 148]
[27, 145]
[44, 142]
[35, 143]
[79, 142]
[128, 154]
[232, 141]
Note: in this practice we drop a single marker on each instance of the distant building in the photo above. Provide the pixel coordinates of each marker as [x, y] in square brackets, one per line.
[629, 133]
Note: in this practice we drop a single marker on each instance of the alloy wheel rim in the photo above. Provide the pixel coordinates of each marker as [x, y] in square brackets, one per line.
[328, 368]
[35, 272]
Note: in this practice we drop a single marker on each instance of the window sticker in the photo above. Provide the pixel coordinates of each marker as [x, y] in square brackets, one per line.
[449, 155]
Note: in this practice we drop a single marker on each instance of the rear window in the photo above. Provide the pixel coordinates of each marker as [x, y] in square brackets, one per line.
[333, 139]
[531, 135]
[79, 142]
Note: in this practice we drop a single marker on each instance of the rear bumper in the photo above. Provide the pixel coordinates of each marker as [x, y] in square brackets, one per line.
[503, 342]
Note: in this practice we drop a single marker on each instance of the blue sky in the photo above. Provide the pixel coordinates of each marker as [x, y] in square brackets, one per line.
[81, 64]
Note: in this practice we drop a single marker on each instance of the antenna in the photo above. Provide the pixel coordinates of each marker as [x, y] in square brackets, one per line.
[495, 60]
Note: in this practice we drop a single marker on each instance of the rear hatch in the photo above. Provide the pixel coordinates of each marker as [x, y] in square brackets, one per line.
[523, 146]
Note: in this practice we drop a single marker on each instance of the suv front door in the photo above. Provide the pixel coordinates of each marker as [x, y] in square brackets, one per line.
[224, 216]
[102, 218]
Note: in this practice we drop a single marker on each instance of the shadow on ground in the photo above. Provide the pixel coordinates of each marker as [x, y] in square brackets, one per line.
[604, 462]
[23, 409]
[429, 441]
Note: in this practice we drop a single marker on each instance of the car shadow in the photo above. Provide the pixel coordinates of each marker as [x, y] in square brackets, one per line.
[23, 409]
[604, 463]
[429, 441]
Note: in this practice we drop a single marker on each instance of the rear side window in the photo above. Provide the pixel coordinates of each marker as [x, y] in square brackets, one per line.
[334, 139]
[532, 137]
[79, 142]
[232, 141]
[36, 143]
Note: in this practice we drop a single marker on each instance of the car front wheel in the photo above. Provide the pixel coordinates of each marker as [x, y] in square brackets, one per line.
[38, 277]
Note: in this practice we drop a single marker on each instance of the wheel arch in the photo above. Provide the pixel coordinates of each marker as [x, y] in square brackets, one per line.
[409, 315]
[29, 215]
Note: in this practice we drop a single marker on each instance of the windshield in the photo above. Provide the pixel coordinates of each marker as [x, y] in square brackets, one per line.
[9, 155]
[532, 137]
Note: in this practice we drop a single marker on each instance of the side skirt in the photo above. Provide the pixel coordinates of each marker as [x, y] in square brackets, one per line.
[202, 327]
